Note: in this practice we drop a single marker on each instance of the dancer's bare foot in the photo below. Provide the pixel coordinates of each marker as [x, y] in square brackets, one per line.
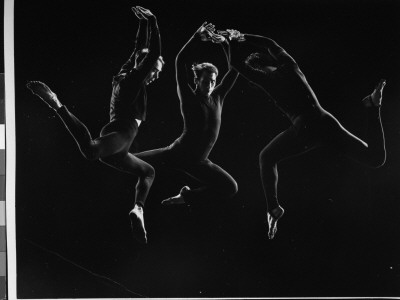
[375, 98]
[137, 224]
[178, 199]
[273, 216]
[43, 92]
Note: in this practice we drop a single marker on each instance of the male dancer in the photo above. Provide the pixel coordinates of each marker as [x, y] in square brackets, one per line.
[272, 69]
[201, 110]
[127, 110]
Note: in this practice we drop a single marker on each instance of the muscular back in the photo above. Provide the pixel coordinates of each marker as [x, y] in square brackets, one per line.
[277, 73]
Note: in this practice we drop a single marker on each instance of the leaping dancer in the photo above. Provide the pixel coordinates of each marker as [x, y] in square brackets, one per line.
[201, 109]
[272, 69]
[127, 111]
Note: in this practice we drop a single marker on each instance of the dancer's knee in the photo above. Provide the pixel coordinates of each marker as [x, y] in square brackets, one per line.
[231, 189]
[146, 175]
[234, 188]
[149, 173]
[146, 178]
[378, 162]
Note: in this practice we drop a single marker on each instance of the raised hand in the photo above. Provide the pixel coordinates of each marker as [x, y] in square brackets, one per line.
[232, 34]
[204, 31]
[146, 13]
[206, 26]
[138, 13]
[216, 38]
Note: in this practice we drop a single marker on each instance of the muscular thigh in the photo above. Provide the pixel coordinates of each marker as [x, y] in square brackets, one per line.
[155, 156]
[207, 172]
[173, 156]
[339, 138]
[127, 162]
[287, 144]
[117, 136]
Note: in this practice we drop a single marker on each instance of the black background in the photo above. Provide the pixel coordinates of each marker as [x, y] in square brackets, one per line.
[339, 236]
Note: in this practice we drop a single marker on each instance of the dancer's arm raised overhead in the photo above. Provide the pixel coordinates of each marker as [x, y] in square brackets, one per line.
[145, 66]
[276, 51]
[268, 44]
[230, 77]
[255, 57]
[142, 35]
[183, 60]
[141, 42]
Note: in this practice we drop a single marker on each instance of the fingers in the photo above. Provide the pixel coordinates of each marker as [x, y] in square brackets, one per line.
[206, 31]
[144, 11]
[223, 32]
[210, 27]
[215, 38]
[137, 13]
[202, 27]
[207, 26]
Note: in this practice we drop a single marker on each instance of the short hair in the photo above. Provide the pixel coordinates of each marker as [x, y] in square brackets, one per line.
[198, 69]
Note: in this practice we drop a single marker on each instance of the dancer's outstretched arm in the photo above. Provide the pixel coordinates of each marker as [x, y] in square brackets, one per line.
[183, 60]
[154, 45]
[268, 44]
[240, 55]
[230, 77]
[271, 46]
[141, 41]
[142, 34]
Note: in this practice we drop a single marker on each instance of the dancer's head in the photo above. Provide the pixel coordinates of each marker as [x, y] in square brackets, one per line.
[205, 77]
[259, 61]
[155, 71]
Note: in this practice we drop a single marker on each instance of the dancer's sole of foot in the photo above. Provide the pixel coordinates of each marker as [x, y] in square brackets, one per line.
[137, 226]
[178, 199]
[273, 216]
[375, 98]
[45, 93]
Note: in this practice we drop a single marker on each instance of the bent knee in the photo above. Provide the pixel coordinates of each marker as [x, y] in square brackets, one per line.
[376, 164]
[149, 172]
[146, 177]
[145, 172]
[235, 189]
[231, 189]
